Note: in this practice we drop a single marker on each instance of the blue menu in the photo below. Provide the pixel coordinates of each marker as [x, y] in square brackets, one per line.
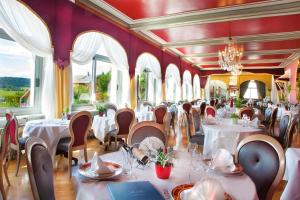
[141, 190]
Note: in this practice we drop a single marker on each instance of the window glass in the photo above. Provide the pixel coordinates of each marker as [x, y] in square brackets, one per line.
[17, 75]
[251, 92]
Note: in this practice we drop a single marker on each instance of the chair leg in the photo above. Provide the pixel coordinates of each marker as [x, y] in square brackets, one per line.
[18, 161]
[3, 194]
[70, 163]
[116, 142]
[85, 155]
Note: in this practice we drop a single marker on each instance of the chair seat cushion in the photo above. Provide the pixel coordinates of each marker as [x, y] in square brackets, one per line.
[197, 139]
[22, 142]
[63, 145]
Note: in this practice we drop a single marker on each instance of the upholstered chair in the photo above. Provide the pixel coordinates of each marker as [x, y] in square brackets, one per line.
[124, 119]
[4, 158]
[17, 144]
[283, 129]
[187, 107]
[263, 160]
[40, 169]
[173, 110]
[202, 109]
[210, 110]
[193, 136]
[110, 107]
[290, 132]
[145, 129]
[247, 111]
[196, 121]
[268, 114]
[212, 102]
[160, 114]
[79, 127]
[273, 121]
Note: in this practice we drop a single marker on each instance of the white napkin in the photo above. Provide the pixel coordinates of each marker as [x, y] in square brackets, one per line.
[98, 166]
[222, 160]
[205, 189]
[151, 144]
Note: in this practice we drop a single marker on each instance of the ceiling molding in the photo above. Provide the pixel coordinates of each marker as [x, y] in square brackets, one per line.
[229, 13]
[245, 68]
[239, 39]
[245, 53]
[290, 59]
[244, 62]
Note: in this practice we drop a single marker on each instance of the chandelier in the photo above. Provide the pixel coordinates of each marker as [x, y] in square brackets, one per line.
[230, 58]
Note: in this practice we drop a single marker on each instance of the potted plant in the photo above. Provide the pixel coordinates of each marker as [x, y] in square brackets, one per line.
[163, 164]
[234, 118]
[101, 109]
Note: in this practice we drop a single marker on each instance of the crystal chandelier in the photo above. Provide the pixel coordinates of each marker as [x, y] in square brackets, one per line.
[230, 58]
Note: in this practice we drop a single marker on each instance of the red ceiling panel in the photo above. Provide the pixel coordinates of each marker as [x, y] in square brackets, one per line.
[262, 65]
[252, 46]
[233, 28]
[138, 9]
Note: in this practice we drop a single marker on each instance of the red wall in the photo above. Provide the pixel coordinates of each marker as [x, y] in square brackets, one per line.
[66, 21]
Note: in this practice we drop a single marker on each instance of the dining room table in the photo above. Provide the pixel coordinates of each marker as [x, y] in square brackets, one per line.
[236, 186]
[292, 174]
[102, 125]
[50, 130]
[223, 133]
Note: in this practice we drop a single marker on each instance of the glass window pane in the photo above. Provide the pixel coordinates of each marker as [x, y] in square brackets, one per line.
[17, 67]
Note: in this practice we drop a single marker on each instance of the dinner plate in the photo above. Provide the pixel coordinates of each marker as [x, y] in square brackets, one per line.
[183, 195]
[86, 171]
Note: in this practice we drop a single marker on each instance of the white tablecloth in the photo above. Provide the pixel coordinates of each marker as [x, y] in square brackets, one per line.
[230, 134]
[292, 175]
[238, 187]
[51, 131]
[102, 125]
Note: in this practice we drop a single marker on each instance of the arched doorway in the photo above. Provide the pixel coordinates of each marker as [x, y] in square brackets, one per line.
[187, 87]
[172, 81]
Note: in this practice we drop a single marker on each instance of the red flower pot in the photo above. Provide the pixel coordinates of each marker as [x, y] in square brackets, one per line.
[163, 172]
[101, 114]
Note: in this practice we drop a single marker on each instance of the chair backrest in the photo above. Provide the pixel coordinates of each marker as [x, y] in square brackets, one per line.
[187, 107]
[202, 108]
[110, 106]
[124, 119]
[13, 130]
[283, 128]
[290, 132]
[212, 102]
[262, 158]
[5, 140]
[268, 114]
[209, 110]
[173, 110]
[79, 126]
[247, 111]
[160, 113]
[40, 169]
[8, 115]
[273, 117]
[146, 129]
[196, 120]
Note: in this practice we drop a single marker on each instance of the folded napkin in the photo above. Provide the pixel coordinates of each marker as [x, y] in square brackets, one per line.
[207, 188]
[98, 165]
[151, 144]
[222, 160]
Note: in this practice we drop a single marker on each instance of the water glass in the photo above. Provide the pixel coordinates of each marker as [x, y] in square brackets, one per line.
[128, 160]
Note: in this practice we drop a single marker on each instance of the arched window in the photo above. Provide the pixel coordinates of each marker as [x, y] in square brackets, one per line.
[251, 92]
[148, 79]
[196, 87]
[187, 86]
[173, 91]
[100, 70]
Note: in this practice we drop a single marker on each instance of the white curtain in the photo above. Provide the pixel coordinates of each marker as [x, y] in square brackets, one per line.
[196, 87]
[187, 86]
[274, 93]
[148, 61]
[89, 44]
[30, 32]
[207, 89]
[173, 77]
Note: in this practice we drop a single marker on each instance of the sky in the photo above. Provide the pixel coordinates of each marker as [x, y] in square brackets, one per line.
[15, 61]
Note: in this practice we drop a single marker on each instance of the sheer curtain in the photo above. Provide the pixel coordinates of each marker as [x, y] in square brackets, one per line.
[207, 89]
[187, 86]
[196, 87]
[172, 72]
[23, 25]
[274, 93]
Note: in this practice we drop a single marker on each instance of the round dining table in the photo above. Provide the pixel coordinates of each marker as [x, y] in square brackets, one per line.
[224, 134]
[50, 130]
[238, 186]
[102, 125]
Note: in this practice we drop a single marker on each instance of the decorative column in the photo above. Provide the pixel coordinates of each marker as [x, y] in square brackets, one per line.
[132, 91]
[293, 80]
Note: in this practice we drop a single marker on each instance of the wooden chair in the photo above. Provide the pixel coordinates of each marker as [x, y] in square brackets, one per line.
[4, 158]
[40, 169]
[79, 126]
[160, 114]
[290, 132]
[17, 144]
[283, 129]
[262, 158]
[187, 107]
[273, 121]
[202, 109]
[247, 111]
[192, 135]
[210, 110]
[124, 119]
[145, 129]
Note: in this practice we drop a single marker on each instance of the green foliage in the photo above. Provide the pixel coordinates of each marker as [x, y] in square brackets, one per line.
[163, 158]
[237, 103]
[143, 85]
[79, 89]
[102, 85]
[234, 116]
[100, 108]
[66, 110]
[11, 98]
